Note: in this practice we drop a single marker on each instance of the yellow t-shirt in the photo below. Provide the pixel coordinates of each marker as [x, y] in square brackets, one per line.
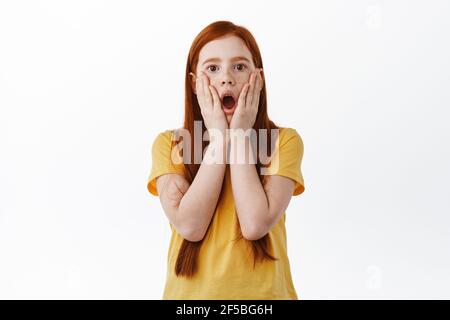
[225, 267]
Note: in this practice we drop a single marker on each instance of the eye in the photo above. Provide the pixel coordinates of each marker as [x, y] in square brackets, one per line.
[241, 67]
[212, 68]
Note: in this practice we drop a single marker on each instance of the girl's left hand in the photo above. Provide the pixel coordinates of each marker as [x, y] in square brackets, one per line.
[245, 113]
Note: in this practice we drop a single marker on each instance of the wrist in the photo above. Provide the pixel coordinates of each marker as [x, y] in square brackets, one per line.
[243, 147]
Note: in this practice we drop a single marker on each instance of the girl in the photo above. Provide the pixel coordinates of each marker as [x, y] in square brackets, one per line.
[227, 218]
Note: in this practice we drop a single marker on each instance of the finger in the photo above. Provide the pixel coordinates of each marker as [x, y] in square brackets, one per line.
[256, 98]
[257, 85]
[207, 92]
[215, 97]
[243, 97]
[256, 103]
[257, 89]
[250, 90]
[261, 79]
[200, 92]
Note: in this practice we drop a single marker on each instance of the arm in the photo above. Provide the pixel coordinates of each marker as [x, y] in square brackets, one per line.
[191, 207]
[258, 207]
[186, 206]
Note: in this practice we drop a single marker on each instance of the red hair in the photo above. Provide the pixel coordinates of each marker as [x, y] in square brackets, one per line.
[186, 263]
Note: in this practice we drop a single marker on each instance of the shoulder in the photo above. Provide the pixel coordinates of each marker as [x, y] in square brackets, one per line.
[290, 135]
[165, 149]
[164, 137]
[165, 134]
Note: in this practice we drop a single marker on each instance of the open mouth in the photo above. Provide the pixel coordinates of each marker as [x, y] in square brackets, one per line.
[228, 102]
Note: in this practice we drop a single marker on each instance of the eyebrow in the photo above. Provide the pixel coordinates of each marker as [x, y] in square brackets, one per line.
[232, 59]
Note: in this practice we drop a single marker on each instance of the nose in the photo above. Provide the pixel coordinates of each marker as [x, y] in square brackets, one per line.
[227, 79]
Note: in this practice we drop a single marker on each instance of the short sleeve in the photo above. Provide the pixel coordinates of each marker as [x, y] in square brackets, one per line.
[162, 160]
[287, 158]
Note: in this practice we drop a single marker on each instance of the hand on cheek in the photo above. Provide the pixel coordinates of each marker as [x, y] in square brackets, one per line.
[245, 114]
[210, 105]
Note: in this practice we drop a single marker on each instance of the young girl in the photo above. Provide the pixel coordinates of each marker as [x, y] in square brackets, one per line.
[227, 217]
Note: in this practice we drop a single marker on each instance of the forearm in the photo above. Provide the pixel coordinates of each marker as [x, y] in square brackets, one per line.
[198, 203]
[250, 198]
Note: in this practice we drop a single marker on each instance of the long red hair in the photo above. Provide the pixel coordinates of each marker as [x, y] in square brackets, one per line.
[186, 263]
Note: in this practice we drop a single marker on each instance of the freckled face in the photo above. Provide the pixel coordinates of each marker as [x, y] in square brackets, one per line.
[228, 64]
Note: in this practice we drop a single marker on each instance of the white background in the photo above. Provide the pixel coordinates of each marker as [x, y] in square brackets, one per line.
[85, 86]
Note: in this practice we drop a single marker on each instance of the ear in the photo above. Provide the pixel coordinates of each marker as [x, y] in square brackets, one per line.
[193, 77]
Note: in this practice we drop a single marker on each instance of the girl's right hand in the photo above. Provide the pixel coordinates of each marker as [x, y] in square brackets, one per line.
[210, 105]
